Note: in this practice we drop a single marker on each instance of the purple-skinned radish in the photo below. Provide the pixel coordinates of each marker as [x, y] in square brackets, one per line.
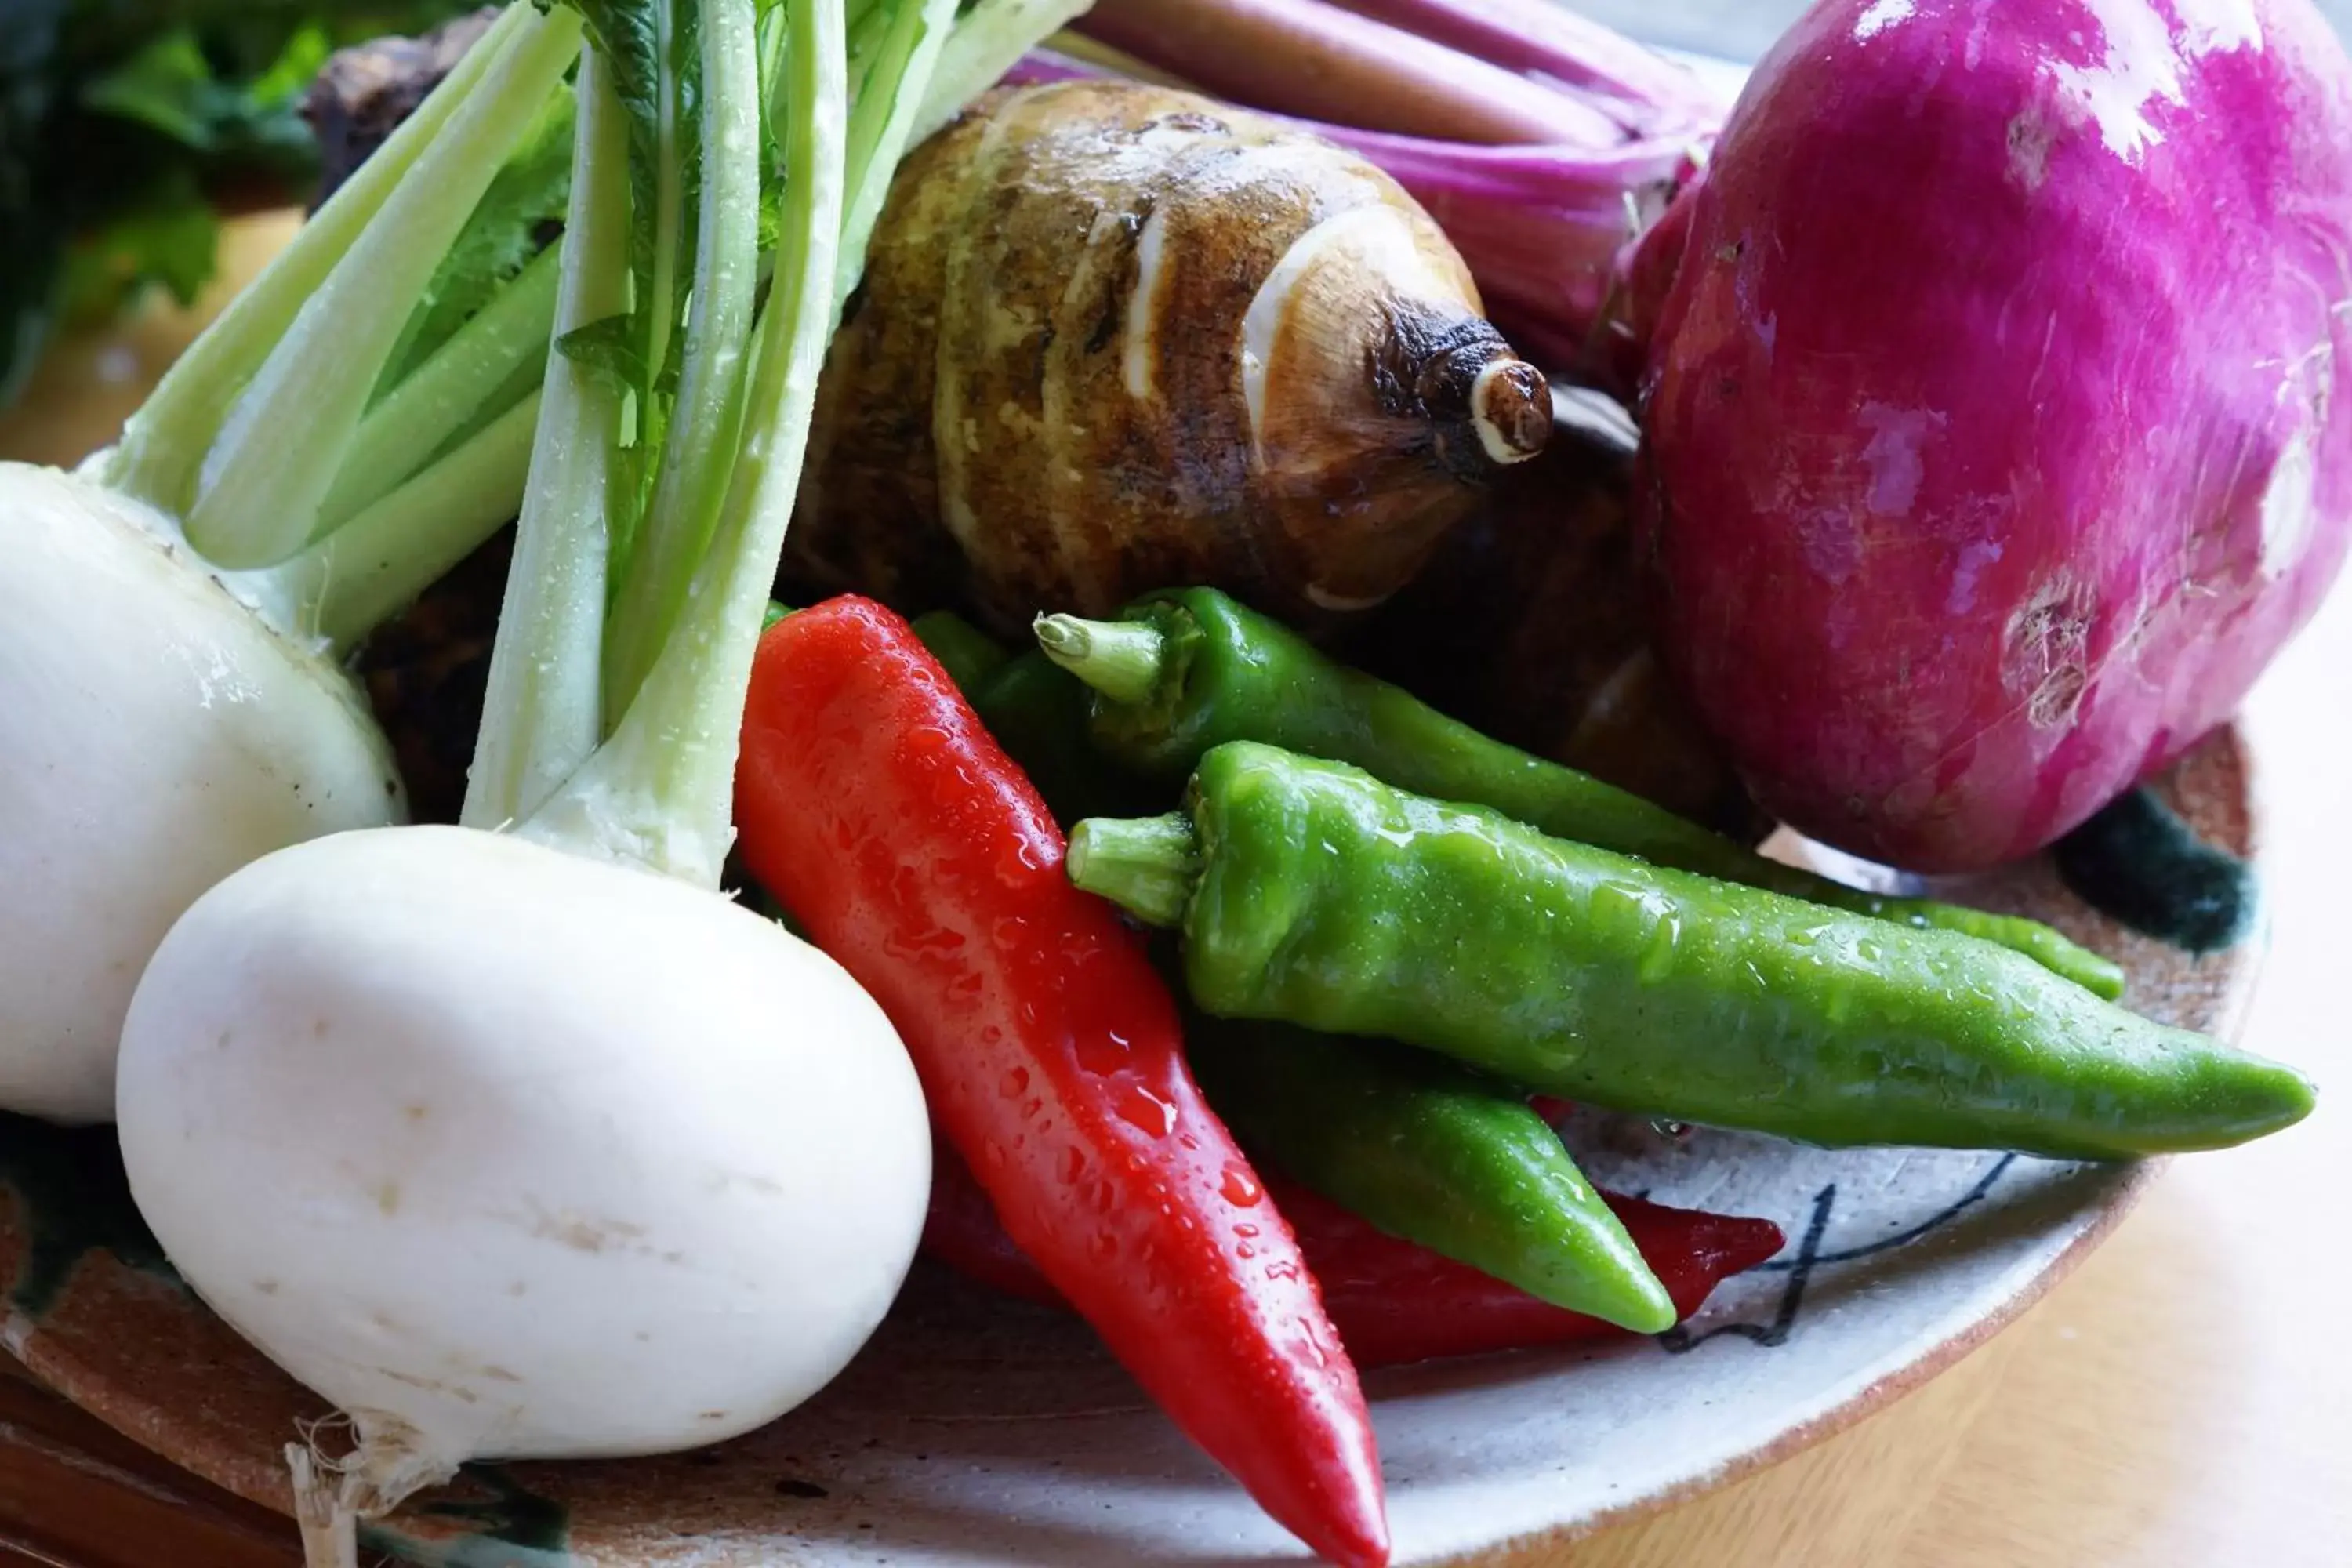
[1993, 443]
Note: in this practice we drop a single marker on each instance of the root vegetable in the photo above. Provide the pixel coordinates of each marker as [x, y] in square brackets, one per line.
[1113, 336]
[1995, 438]
[508, 1152]
[163, 719]
[154, 736]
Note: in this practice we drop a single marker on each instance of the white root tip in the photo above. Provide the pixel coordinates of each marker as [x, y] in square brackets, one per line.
[332, 1494]
[330, 1531]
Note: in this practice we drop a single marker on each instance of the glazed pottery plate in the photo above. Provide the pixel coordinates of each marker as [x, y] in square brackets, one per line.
[977, 1431]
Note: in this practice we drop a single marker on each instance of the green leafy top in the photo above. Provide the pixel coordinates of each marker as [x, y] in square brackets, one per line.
[124, 123]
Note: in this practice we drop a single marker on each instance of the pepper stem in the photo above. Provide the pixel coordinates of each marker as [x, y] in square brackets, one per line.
[1124, 660]
[1146, 865]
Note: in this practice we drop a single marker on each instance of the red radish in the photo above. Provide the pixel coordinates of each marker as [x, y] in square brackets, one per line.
[1994, 446]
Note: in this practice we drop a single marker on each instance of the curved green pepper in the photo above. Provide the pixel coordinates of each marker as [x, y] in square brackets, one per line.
[1311, 893]
[1191, 669]
[1436, 1155]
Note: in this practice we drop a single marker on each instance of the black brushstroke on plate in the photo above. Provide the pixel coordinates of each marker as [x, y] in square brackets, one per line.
[513, 1527]
[1680, 1340]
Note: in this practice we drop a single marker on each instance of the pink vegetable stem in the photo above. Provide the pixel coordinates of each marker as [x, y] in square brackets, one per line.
[1315, 60]
[1648, 94]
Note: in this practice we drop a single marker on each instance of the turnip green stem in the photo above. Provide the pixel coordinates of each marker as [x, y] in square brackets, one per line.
[888, 100]
[1147, 866]
[360, 577]
[691, 484]
[661, 303]
[164, 443]
[261, 486]
[446, 395]
[1124, 660]
[660, 793]
[543, 713]
[986, 42]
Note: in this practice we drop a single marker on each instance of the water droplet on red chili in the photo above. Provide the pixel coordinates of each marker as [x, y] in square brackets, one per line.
[1015, 1083]
[1144, 1110]
[1240, 1188]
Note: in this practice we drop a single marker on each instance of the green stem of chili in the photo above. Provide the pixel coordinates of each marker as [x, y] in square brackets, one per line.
[1124, 660]
[1146, 865]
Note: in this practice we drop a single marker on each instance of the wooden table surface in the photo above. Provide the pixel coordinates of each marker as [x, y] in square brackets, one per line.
[2185, 1399]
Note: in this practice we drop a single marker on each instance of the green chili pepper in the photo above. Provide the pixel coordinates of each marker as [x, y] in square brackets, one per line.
[1038, 714]
[969, 655]
[1190, 670]
[1311, 893]
[1425, 1151]
[1407, 1141]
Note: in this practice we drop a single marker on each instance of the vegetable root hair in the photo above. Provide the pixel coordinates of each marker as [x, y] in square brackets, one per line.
[386, 1465]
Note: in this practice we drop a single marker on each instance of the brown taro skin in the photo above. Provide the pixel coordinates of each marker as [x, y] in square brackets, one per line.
[1114, 338]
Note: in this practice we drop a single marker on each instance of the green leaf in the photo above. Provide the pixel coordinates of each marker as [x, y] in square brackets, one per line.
[609, 347]
[516, 219]
[171, 239]
[111, 109]
[168, 86]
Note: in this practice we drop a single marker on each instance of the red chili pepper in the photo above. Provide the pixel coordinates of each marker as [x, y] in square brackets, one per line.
[1551, 1109]
[1392, 1300]
[876, 807]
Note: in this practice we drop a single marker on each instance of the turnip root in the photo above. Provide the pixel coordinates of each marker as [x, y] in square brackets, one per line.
[1113, 336]
[509, 1152]
[1994, 439]
[163, 720]
[154, 736]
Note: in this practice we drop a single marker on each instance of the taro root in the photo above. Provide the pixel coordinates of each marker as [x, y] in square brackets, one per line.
[1114, 338]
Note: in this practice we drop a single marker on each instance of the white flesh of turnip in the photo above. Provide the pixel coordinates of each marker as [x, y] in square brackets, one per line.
[155, 735]
[509, 1152]
[159, 729]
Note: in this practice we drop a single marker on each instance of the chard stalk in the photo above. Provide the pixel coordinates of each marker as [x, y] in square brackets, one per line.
[164, 444]
[338, 590]
[987, 42]
[447, 394]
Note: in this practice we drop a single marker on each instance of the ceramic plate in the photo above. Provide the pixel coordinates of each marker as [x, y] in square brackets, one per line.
[975, 1431]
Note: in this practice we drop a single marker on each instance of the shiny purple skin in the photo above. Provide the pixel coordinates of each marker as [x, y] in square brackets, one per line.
[1994, 444]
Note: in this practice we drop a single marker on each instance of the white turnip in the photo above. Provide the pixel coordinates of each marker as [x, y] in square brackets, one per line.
[163, 720]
